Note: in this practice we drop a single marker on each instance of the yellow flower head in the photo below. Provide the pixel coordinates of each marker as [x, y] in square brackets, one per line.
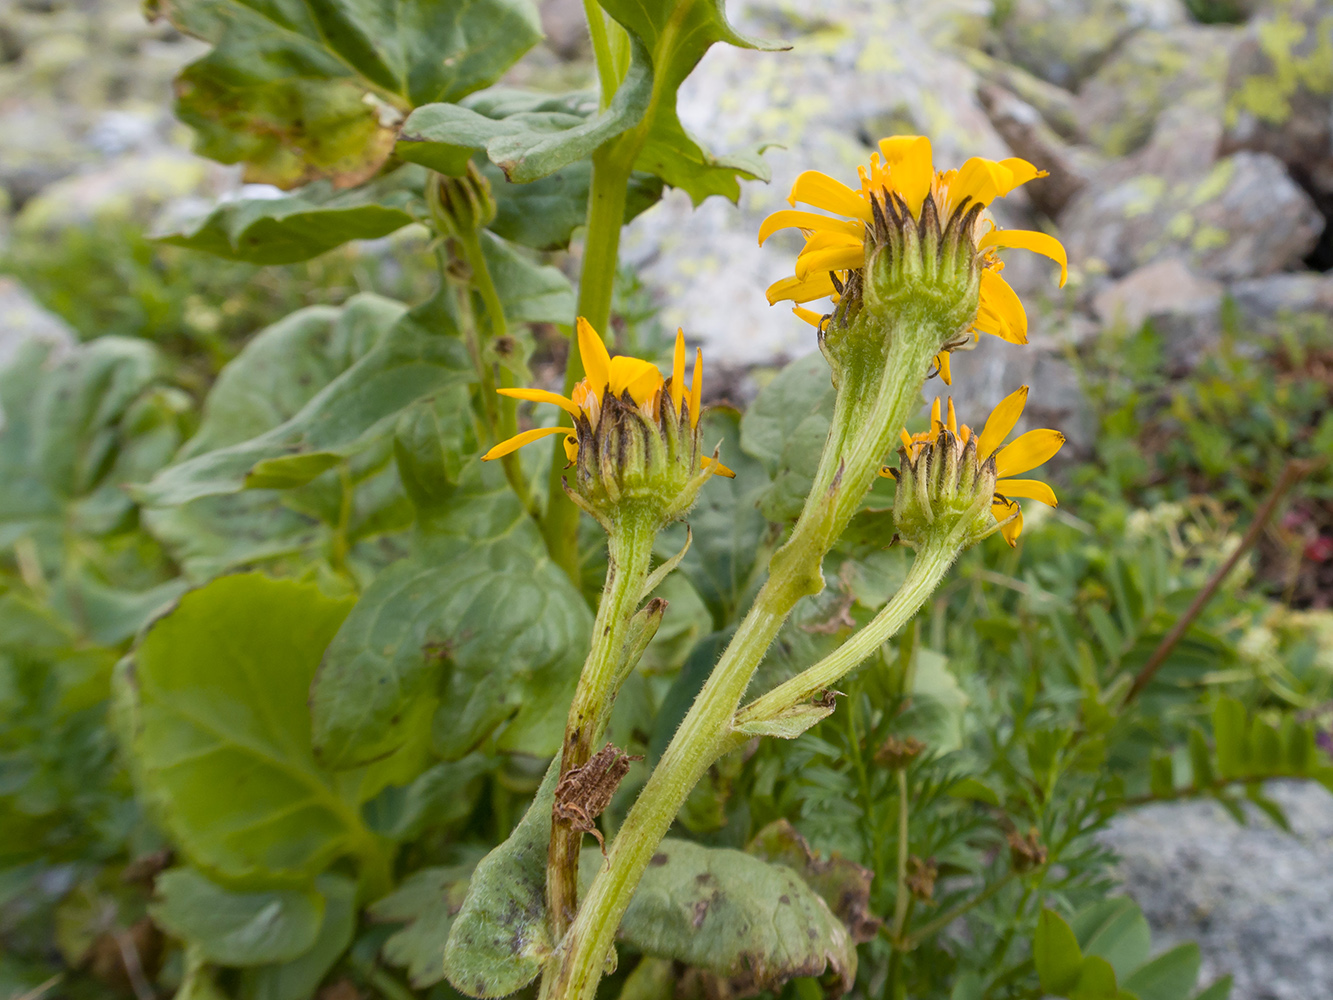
[991, 464]
[901, 189]
[630, 425]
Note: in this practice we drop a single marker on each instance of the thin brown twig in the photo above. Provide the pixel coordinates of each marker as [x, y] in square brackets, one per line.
[1294, 471]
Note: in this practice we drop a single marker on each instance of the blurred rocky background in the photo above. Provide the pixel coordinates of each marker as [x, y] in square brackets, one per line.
[1190, 150]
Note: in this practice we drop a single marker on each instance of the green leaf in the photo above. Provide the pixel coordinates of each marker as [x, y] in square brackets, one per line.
[1169, 976]
[1229, 729]
[426, 903]
[1220, 990]
[1055, 951]
[284, 88]
[1201, 759]
[1096, 981]
[285, 365]
[500, 938]
[529, 292]
[789, 724]
[1265, 747]
[728, 554]
[1162, 776]
[544, 213]
[415, 358]
[1115, 930]
[298, 978]
[308, 222]
[237, 928]
[676, 36]
[733, 915]
[975, 791]
[482, 560]
[214, 698]
[1298, 745]
[935, 715]
[785, 428]
[842, 884]
[77, 411]
[527, 135]
[438, 798]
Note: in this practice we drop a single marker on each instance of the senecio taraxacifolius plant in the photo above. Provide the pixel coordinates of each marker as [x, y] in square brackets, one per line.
[382, 604]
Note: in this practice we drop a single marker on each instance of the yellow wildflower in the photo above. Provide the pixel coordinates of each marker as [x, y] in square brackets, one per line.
[901, 184]
[629, 382]
[1023, 454]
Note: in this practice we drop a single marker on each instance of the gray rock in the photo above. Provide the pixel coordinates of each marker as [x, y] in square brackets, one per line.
[1152, 71]
[1258, 901]
[1057, 106]
[1064, 41]
[1028, 135]
[1239, 217]
[1183, 307]
[23, 319]
[1268, 305]
[1280, 90]
[862, 67]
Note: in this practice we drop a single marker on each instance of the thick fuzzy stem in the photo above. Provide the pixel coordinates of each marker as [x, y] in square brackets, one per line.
[630, 550]
[876, 393]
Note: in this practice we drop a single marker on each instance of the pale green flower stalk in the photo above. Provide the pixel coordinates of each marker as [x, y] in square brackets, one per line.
[636, 465]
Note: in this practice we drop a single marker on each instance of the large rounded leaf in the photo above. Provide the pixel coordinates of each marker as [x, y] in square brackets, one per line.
[219, 733]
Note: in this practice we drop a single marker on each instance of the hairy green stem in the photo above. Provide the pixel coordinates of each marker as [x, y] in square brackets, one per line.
[607, 79]
[870, 408]
[928, 569]
[629, 548]
[503, 411]
[611, 167]
[900, 898]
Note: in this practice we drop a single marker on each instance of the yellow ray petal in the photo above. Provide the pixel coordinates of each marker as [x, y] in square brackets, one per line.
[633, 375]
[1020, 172]
[596, 360]
[1026, 452]
[911, 167]
[571, 444]
[542, 396]
[936, 424]
[696, 386]
[817, 286]
[791, 218]
[1023, 239]
[835, 259]
[982, 180]
[822, 191]
[809, 315]
[988, 322]
[952, 421]
[519, 440]
[678, 373]
[1003, 301]
[1001, 509]
[1000, 422]
[1032, 489]
[826, 241]
[905, 438]
[942, 362]
[722, 470]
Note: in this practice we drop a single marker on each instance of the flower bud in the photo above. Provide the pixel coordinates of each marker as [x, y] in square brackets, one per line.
[460, 206]
[944, 489]
[948, 470]
[911, 247]
[635, 445]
